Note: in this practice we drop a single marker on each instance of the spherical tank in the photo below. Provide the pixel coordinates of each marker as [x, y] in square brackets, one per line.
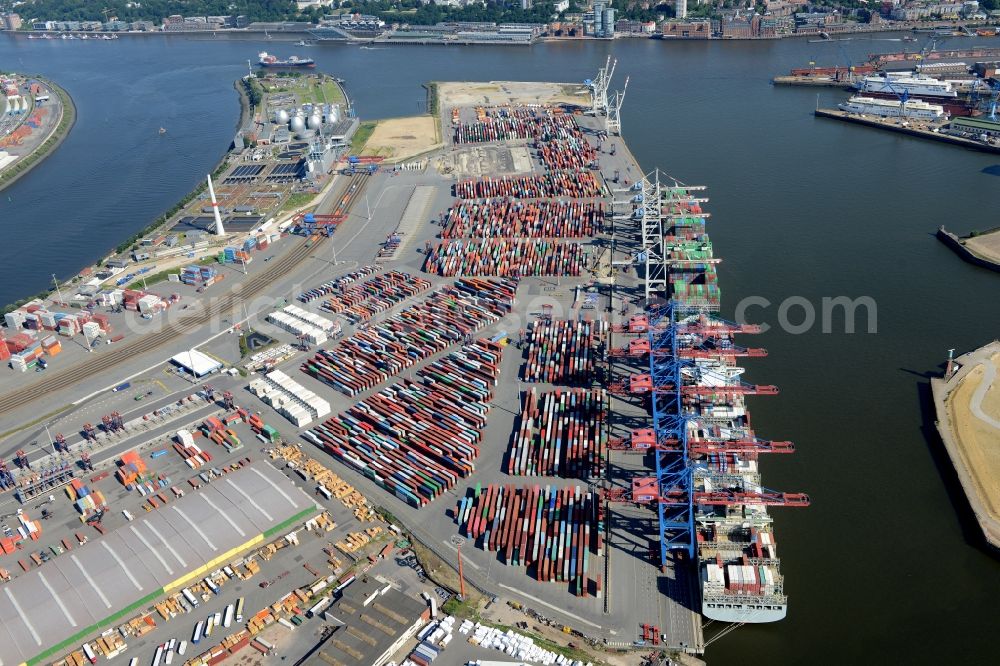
[315, 121]
[298, 124]
[281, 117]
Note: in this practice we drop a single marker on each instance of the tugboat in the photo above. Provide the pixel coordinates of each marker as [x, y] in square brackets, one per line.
[265, 59]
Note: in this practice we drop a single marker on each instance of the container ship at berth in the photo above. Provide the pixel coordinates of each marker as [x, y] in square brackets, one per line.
[711, 503]
[265, 59]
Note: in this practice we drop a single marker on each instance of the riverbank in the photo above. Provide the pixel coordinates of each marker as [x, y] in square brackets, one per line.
[67, 119]
[968, 419]
[161, 221]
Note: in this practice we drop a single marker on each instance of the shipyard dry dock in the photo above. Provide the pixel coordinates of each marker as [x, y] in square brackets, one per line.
[52, 609]
[968, 419]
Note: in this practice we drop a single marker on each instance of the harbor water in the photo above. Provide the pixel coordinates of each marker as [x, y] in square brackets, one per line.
[886, 565]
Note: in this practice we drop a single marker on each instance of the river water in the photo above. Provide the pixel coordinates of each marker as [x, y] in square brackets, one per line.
[886, 565]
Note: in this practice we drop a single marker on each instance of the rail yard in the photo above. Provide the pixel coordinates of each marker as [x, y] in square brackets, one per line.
[506, 356]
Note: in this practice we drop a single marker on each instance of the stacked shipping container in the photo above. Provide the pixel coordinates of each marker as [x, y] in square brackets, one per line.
[561, 433]
[564, 351]
[557, 184]
[361, 302]
[505, 257]
[417, 438]
[448, 316]
[510, 218]
[550, 531]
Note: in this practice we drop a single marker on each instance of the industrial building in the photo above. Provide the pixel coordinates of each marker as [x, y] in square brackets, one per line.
[60, 604]
[974, 127]
[196, 363]
[368, 624]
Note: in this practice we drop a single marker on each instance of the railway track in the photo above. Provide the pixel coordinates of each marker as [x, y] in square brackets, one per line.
[153, 341]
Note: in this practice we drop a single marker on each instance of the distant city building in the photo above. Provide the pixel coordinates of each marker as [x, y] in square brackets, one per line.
[630, 27]
[680, 9]
[306, 4]
[566, 29]
[561, 6]
[746, 26]
[526, 4]
[697, 29]
[603, 20]
[10, 21]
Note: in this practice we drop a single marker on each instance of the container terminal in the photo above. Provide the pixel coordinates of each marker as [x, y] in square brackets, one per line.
[968, 420]
[497, 332]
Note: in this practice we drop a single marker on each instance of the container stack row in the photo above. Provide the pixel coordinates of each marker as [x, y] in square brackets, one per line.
[550, 531]
[513, 123]
[200, 276]
[561, 433]
[557, 184]
[507, 218]
[448, 316]
[362, 302]
[185, 446]
[417, 438]
[572, 153]
[289, 398]
[564, 351]
[84, 498]
[297, 327]
[335, 285]
[696, 287]
[506, 257]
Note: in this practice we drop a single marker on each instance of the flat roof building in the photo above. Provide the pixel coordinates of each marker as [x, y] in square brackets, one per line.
[368, 624]
[196, 363]
[52, 608]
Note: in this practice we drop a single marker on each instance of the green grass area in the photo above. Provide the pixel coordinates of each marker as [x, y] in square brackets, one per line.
[325, 92]
[361, 136]
[433, 101]
[155, 278]
[462, 609]
[297, 200]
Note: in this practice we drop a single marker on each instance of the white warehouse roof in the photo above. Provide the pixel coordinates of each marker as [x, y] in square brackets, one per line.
[197, 363]
[64, 599]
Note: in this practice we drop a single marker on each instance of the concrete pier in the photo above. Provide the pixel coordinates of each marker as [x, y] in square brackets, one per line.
[913, 128]
[968, 418]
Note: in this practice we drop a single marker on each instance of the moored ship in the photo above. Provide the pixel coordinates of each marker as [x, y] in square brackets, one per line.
[913, 85]
[894, 108]
[266, 59]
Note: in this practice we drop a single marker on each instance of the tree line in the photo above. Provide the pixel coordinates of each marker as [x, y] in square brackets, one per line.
[398, 11]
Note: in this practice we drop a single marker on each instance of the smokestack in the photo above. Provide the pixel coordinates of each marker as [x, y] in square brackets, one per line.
[219, 230]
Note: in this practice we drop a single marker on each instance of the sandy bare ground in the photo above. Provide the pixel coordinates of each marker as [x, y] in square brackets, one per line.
[977, 440]
[510, 92]
[987, 245]
[402, 138]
